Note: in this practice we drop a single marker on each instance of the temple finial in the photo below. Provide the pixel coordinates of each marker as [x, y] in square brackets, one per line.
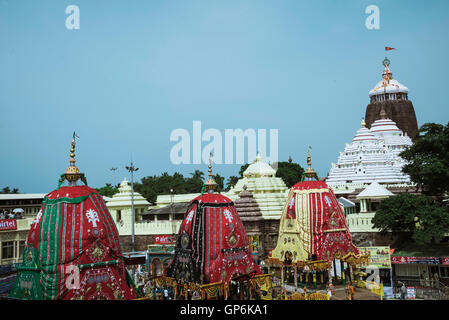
[363, 123]
[387, 74]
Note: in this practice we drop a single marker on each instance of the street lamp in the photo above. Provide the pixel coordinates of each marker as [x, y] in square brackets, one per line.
[132, 169]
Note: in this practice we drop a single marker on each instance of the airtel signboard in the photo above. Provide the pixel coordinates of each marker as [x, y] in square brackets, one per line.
[8, 224]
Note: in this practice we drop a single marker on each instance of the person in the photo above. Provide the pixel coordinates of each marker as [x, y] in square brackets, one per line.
[332, 288]
[329, 292]
[426, 279]
[350, 289]
[403, 291]
[436, 280]
[423, 278]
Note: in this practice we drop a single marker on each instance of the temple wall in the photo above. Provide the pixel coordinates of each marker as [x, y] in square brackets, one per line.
[141, 242]
[400, 111]
[374, 239]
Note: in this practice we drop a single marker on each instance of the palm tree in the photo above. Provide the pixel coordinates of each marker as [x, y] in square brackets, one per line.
[197, 175]
[6, 190]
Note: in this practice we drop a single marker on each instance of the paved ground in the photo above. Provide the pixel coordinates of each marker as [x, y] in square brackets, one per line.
[359, 294]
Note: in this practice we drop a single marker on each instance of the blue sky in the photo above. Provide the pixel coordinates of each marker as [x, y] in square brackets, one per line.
[136, 70]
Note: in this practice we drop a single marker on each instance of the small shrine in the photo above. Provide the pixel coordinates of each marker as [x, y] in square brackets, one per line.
[253, 221]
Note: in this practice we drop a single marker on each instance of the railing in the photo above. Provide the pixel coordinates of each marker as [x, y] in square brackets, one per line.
[424, 289]
[153, 227]
[7, 269]
[360, 222]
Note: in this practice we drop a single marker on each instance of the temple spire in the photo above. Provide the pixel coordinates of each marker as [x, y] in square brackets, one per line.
[363, 123]
[383, 114]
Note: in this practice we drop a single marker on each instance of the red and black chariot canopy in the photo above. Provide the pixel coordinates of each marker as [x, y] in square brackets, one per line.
[212, 245]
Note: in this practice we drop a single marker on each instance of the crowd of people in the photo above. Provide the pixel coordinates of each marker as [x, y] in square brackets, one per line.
[5, 214]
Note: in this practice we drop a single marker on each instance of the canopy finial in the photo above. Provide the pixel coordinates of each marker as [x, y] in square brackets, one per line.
[210, 185]
[309, 172]
[72, 173]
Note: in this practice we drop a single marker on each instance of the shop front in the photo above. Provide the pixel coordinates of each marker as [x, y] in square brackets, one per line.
[379, 267]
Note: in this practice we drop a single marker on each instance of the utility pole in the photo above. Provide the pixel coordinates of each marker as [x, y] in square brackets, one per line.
[132, 169]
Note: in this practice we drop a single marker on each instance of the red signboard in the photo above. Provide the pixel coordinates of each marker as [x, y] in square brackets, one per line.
[423, 260]
[163, 239]
[8, 224]
[445, 260]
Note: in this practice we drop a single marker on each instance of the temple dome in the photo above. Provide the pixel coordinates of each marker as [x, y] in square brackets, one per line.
[388, 84]
[373, 154]
[124, 198]
[392, 86]
[259, 169]
[364, 134]
[384, 127]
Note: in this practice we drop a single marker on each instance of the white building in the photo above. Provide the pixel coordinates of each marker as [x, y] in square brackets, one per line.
[373, 155]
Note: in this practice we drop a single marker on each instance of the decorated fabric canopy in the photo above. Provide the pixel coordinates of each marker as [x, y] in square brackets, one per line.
[73, 249]
[212, 245]
[313, 226]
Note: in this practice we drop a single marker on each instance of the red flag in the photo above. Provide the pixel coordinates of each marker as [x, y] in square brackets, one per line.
[389, 48]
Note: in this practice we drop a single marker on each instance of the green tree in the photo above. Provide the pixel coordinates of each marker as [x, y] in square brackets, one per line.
[242, 169]
[290, 172]
[419, 217]
[231, 182]
[220, 181]
[152, 186]
[428, 159]
[195, 183]
[108, 190]
[6, 190]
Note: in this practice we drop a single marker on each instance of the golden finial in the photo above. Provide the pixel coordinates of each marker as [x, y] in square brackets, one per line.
[72, 173]
[211, 185]
[309, 158]
[363, 123]
[309, 172]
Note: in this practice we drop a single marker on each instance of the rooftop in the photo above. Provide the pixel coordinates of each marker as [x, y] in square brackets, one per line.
[374, 190]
